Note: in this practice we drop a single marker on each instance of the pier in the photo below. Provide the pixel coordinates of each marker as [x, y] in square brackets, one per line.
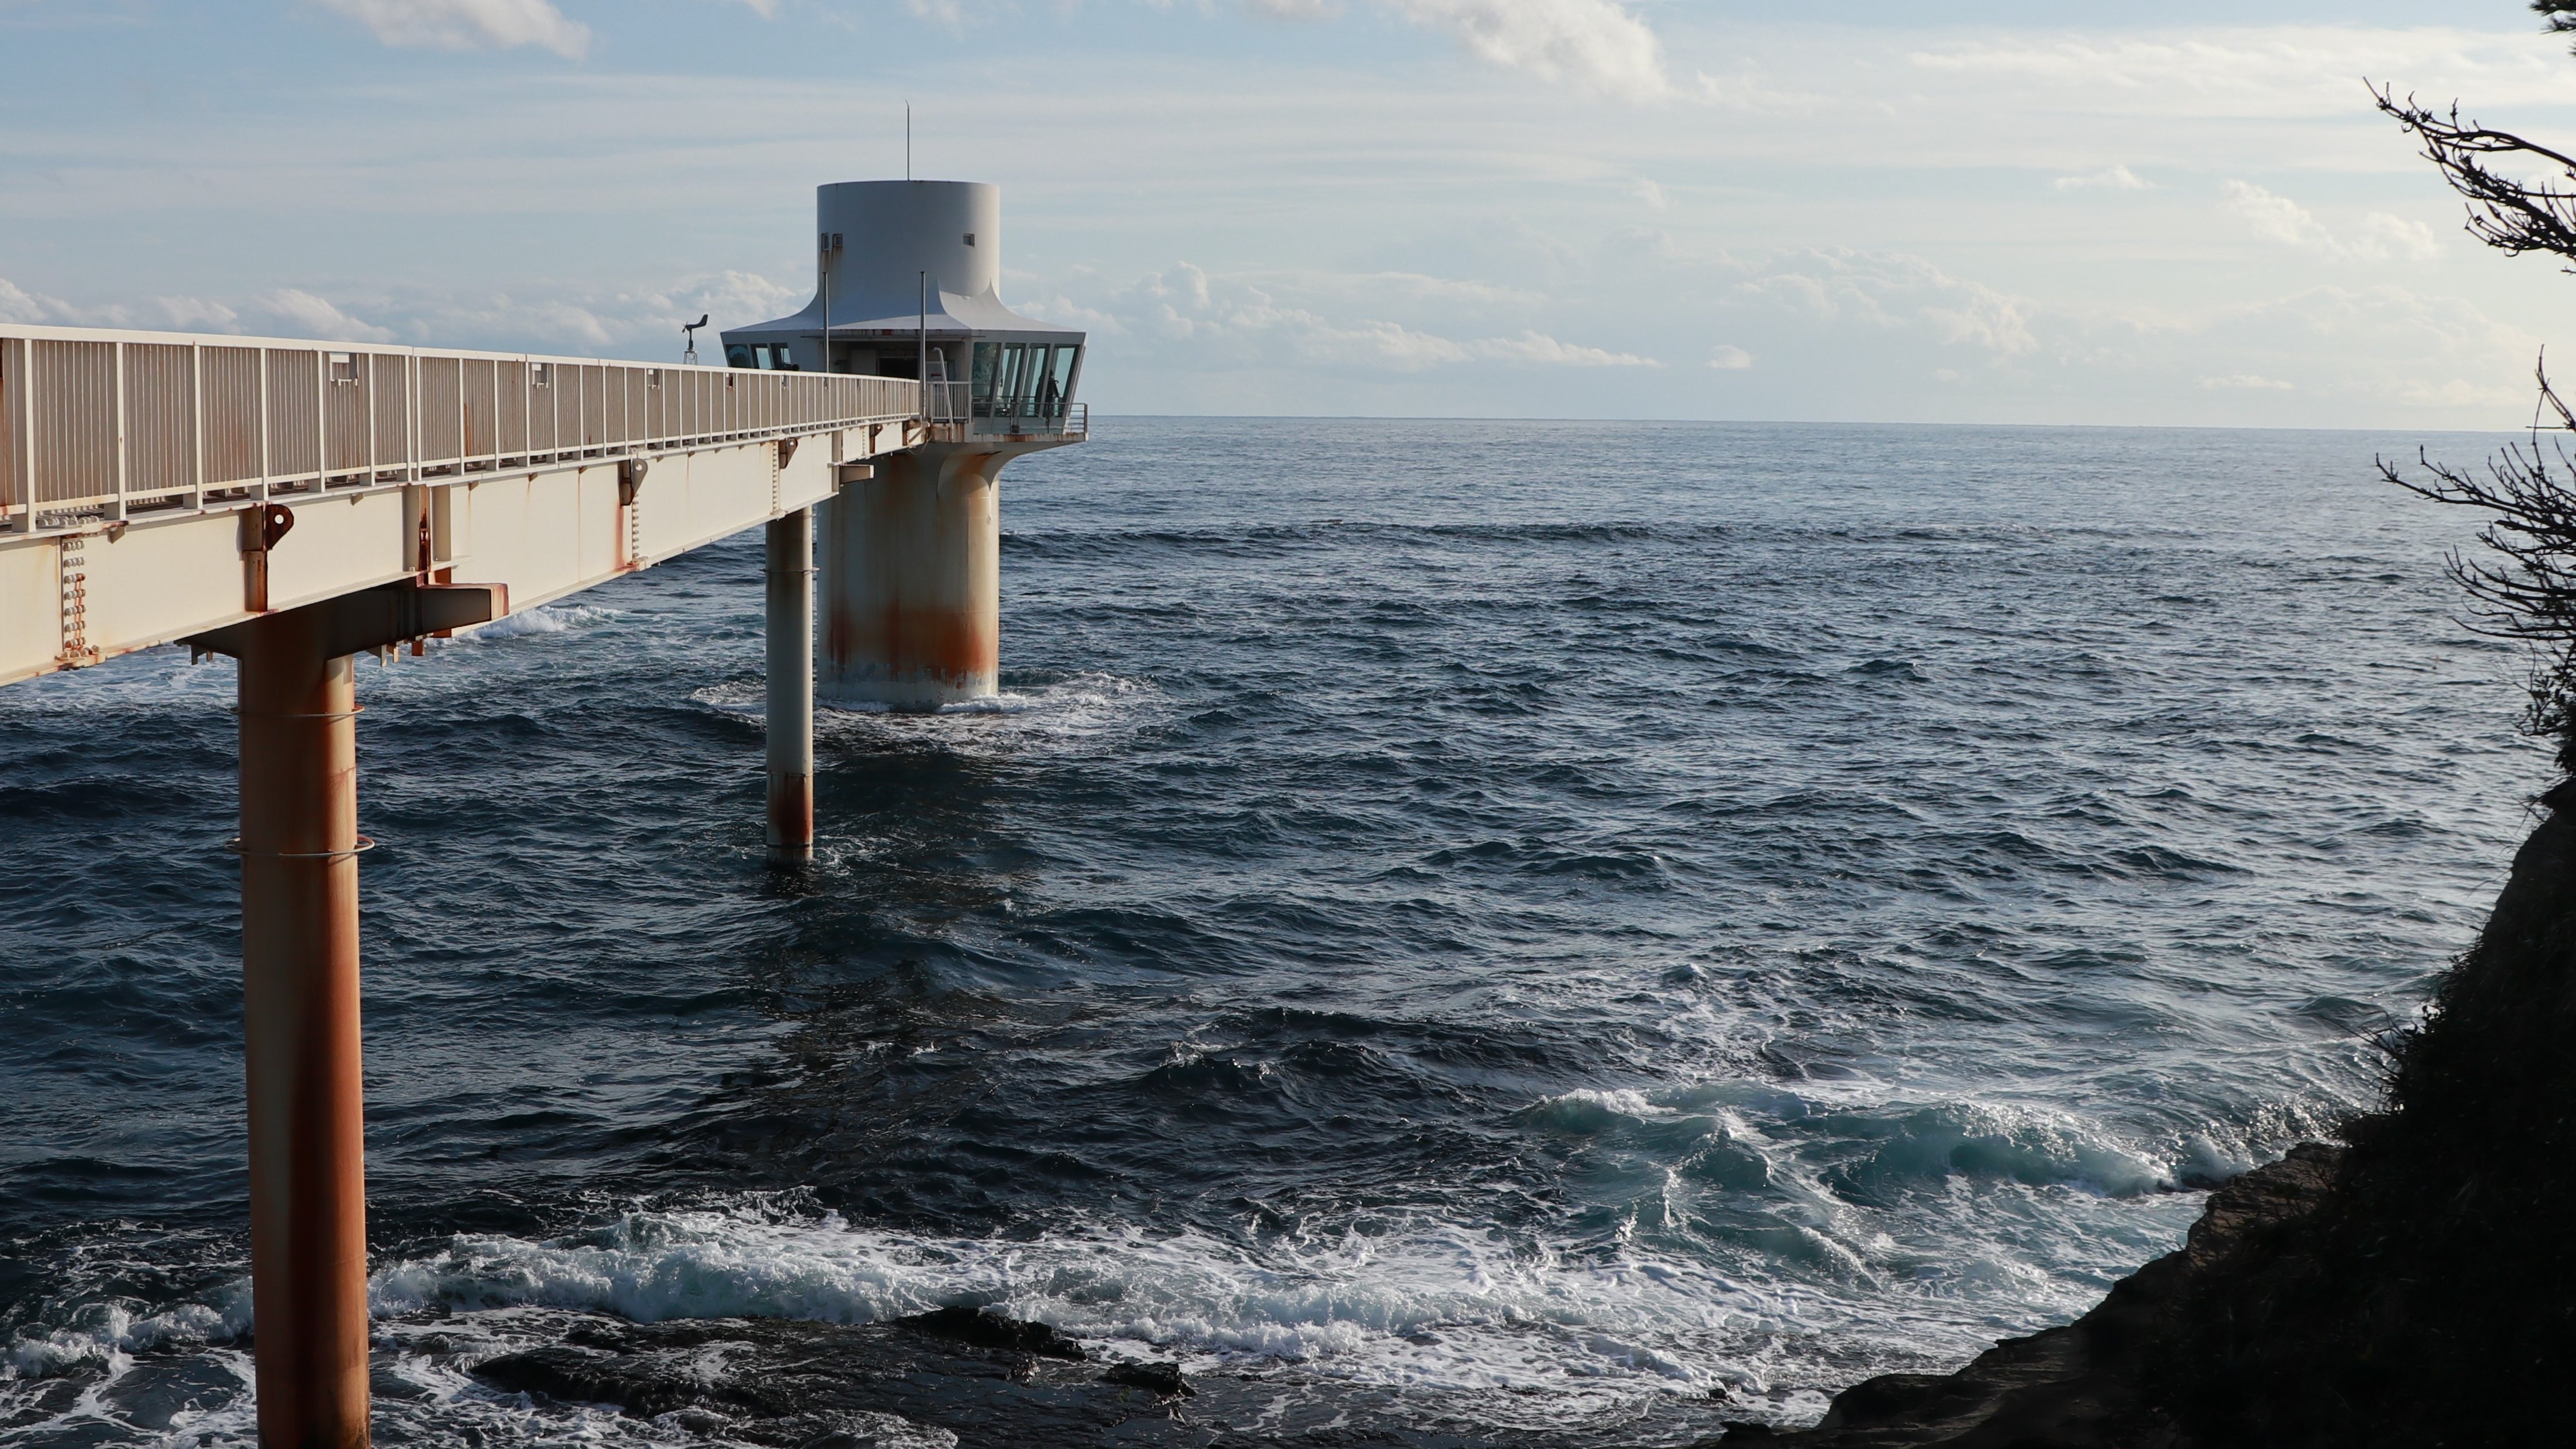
[294, 504]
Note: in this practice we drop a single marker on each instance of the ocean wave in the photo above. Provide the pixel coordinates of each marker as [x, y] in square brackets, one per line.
[107, 1335]
[1421, 1303]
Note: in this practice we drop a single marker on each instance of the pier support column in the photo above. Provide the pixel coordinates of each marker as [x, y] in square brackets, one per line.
[912, 582]
[299, 903]
[308, 1192]
[791, 686]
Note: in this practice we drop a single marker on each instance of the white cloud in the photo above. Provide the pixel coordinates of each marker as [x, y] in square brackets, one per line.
[294, 312]
[2248, 382]
[1596, 44]
[2383, 237]
[1229, 322]
[1539, 347]
[632, 322]
[1293, 10]
[2274, 218]
[2394, 238]
[2116, 178]
[471, 24]
[948, 13]
[2270, 70]
[1897, 293]
[1730, 358]
[35, 309]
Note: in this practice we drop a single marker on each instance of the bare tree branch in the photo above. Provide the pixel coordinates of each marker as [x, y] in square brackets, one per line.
[2511, 216]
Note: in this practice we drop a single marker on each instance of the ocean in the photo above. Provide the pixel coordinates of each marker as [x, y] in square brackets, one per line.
[1454, 933]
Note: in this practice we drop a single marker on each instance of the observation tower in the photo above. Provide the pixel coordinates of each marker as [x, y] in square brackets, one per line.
[908, 285]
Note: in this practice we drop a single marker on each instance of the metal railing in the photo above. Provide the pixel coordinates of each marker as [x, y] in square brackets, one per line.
[955, 403]
[110, 425]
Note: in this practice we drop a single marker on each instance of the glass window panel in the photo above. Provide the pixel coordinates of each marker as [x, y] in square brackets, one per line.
[1015, 366]
[1062, 379]
[987, 362]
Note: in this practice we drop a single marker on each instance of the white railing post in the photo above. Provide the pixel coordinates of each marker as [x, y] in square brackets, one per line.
[116, 405]
[412, 470]
[197, 427]
[261, 369]
[321, 419]
[27, 428]
[366, 380]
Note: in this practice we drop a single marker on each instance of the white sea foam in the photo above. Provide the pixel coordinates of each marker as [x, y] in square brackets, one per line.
[1422, 1307]
[555, 618]
[1070, 715]
[109, 1334]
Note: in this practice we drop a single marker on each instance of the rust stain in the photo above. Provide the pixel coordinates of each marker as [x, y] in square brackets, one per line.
[791, 812]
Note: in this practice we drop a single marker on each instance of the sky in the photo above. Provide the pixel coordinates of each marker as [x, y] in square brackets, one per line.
[1993, 211]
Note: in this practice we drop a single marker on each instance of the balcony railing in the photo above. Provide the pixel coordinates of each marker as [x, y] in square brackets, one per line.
[954, 403]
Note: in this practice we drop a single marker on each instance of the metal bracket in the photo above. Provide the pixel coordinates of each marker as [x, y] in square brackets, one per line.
[262, 527]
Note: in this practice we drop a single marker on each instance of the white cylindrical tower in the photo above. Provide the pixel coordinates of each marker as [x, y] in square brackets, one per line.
[908, 285]
[893, 234]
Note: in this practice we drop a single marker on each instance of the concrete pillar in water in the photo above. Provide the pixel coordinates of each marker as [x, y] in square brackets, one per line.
[308, 1192]
[912, 582]
[791, 686]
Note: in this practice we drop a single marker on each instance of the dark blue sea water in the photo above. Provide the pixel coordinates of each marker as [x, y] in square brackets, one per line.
[1457, 932]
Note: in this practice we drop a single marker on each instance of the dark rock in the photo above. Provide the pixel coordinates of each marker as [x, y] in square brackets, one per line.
[582, 1376]
[2410, 1290]
[2561, 797]
[2083, 1386]
[992, 1330]
[1163, 1378]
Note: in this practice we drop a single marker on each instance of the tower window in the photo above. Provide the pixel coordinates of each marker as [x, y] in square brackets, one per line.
[970, 238]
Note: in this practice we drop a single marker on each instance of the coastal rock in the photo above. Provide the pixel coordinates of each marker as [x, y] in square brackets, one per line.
[992, 1330]
[798, 1385]
[2085, 1384]
[586, 1376]
[2414, 1289]
[1164, 1379]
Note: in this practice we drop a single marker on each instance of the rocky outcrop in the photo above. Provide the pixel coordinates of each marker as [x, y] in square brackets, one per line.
[2415, 1288]
[2086, 1384]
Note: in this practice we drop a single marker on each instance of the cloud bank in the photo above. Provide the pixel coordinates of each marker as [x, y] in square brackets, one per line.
[1596, 44]
[469, 24]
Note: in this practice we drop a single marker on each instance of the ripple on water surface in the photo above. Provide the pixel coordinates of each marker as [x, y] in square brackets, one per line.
[1598, 933]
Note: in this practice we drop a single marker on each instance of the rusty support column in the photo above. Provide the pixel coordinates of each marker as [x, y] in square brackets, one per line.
[308, 1195]
[791, 686]
[912, 591]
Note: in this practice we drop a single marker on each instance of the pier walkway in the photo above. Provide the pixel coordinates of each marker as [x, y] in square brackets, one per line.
[155, 486]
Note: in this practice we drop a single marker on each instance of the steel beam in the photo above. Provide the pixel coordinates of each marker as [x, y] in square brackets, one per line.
[791, 686]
